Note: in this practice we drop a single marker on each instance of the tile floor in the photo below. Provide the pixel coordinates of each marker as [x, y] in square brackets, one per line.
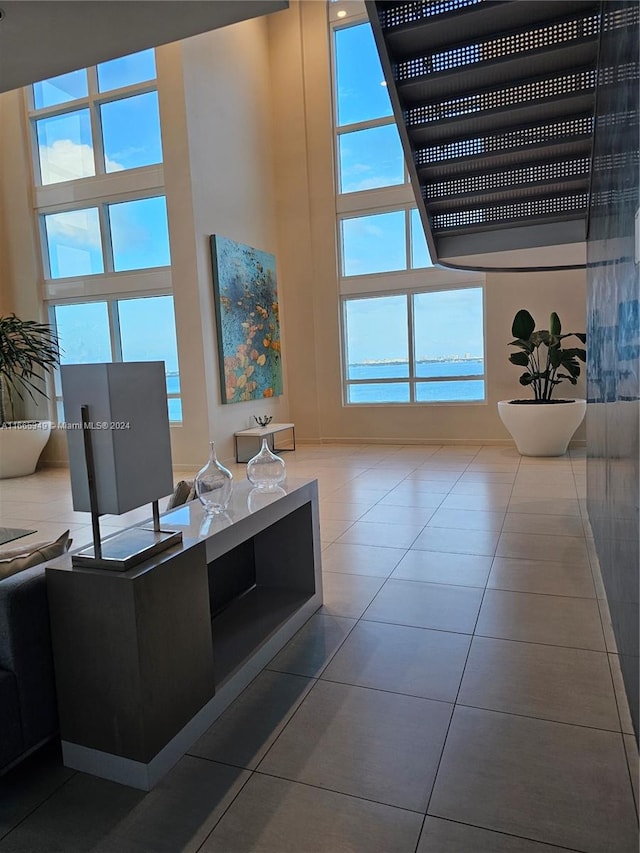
[459, 691]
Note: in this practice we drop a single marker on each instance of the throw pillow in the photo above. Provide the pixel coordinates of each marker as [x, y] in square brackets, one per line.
[42, 554]
[184, 491]
[21, 550]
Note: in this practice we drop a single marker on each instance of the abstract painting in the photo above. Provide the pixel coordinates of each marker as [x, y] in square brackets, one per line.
[246, 300]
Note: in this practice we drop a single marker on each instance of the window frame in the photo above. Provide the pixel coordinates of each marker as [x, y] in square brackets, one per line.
[102, 204]
[93, 102]
[115, 338]
[411, 379]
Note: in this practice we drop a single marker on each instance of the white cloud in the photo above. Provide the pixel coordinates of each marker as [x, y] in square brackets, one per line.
[78, 228]
[66, 160]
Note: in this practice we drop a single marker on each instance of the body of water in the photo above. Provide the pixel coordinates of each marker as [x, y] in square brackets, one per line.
[467, 390]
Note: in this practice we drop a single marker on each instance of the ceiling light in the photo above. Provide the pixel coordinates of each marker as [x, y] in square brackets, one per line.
[341, 14]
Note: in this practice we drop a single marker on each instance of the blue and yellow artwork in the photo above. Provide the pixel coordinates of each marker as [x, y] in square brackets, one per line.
[246, 300]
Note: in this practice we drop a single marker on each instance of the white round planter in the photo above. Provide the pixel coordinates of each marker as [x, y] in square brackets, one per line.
[542, 429]
[21, 443]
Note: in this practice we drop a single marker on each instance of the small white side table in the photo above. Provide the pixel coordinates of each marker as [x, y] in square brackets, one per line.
[248, 441]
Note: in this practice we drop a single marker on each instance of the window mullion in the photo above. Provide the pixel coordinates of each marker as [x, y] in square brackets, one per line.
[96, 122]
[410, 334]
[44, 247]
[92, 81]
[366, 124]
[114, 330]
[407, 237]
[105, 233]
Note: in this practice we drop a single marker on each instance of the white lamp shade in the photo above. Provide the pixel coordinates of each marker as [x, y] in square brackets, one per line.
[130, 433]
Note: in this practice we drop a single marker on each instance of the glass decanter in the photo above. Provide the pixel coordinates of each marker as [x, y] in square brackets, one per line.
[266, 470]
[214, 484]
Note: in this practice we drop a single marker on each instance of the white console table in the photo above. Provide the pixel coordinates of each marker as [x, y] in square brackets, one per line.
[147, 659]
[248, 441]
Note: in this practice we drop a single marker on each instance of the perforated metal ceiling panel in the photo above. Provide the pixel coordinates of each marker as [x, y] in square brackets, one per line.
[495, 102]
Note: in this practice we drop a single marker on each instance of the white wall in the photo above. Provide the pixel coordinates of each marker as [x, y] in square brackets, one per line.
[215, 110]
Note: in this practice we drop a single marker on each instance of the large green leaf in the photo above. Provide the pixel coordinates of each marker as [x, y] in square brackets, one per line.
[523, 325]
[555, 356]
[520, 358]
[554, 324]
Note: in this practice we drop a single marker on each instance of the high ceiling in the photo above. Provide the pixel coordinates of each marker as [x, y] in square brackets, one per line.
[44, 38]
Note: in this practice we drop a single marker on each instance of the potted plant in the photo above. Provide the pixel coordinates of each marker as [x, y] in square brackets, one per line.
[28, 351]
[543, 426]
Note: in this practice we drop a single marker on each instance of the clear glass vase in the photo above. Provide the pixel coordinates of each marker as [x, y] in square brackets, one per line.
[266, 470]
[214, 484]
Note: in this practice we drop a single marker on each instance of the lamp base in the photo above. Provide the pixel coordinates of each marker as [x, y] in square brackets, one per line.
[122, 551]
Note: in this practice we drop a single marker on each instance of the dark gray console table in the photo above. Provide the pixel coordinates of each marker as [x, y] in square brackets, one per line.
[147, 659]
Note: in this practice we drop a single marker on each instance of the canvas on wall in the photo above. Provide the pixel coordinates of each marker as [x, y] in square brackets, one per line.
[246, 301]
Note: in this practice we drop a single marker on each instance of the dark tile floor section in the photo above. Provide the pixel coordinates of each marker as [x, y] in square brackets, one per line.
[453, 695]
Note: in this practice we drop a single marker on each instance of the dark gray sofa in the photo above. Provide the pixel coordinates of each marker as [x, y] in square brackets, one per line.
[28, 715]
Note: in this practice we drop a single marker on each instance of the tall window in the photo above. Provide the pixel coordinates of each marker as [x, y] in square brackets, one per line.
[412, 332]
[99, 189]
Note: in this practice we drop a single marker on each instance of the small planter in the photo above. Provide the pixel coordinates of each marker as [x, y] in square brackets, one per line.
[21, 443]
[542, 429]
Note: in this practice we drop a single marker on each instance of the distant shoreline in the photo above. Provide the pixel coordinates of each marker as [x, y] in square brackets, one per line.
[443, 360]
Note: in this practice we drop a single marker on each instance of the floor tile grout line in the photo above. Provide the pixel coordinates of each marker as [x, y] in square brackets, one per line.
[364, 618]
[538, 719]
[508, 834]
[340, 793]
[455, 703]
[73, 774]
[225, 810]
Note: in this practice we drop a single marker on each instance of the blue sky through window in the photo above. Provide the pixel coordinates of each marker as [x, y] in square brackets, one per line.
[373, 244]
[59, 90]
[420, 256]
[448, 323]
[73, 243]
[139, 234]
[377, 330]
[370, 158]
[131, 132]
[83, 331]
[127, 70]
[361, 91]
[148, 333]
